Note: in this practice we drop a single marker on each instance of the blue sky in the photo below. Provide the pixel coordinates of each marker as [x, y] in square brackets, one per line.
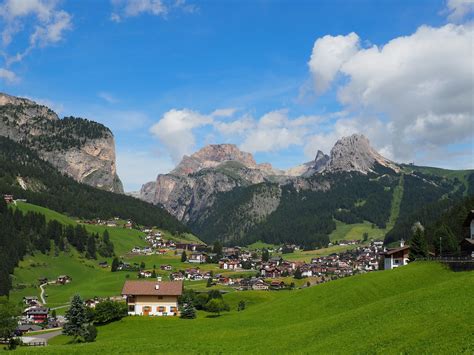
[281, 79]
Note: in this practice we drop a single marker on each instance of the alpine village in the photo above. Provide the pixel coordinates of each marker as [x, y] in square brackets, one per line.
[351, 252]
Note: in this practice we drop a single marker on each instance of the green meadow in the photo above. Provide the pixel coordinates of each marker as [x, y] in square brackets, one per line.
[421, 308]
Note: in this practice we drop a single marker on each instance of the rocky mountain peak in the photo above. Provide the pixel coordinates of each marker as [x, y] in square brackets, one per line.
[211, 156]
[354, 153]
[28, 107]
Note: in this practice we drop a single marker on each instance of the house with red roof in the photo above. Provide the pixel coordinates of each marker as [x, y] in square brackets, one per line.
[152, 298]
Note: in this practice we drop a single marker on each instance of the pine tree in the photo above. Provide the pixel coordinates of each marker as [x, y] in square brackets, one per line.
[265, 255]
[91, 251]
[76, 317]
[188, 311]
[418, 246]
[241, 306]
[209, 282]
[184, 257]
[115, 264]
[298, 274]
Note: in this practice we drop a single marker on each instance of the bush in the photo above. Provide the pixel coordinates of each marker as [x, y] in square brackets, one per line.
[90, 333]
[109, 311]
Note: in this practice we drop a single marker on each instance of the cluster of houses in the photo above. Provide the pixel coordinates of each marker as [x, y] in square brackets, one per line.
[109, 222]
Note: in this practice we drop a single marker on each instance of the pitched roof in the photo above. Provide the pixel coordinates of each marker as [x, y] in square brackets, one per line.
[393, 251]
[149, 288]
[469, 240]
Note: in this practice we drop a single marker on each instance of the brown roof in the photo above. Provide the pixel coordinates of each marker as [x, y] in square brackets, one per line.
[468, 240]
[148, 288]
[393, 251]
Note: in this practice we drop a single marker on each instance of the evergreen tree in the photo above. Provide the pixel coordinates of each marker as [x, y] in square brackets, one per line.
[209, 282]
[188, 311]
[184, 257]
[76, 317]
[241, 306]
[115, 264]
[418, 247]
[9, 313]
[265, 255]
[91, 251]
[217, 249]
[449, 243]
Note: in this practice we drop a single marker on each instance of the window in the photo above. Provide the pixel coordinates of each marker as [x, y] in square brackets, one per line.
[131, 308]
[160, 309]
[173, 309]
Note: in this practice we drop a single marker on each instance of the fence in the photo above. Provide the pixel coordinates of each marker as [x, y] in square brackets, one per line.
[455, 263]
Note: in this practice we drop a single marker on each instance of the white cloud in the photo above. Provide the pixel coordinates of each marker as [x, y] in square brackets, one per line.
[111, 99]
[329, 54]
[132, 8]
[421, 86]
[44, 21]
[223, 112]
[8, 75]
[175, 131]
[459, 9]
[275, 131]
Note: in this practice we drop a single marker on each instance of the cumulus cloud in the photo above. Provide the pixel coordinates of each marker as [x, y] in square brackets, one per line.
[459, 9]
[329, 54]
[175, 131]
[131, 8]
[420, 85]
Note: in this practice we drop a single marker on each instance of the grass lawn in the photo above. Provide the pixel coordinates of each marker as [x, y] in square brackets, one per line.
[356, 231]
[261, 245]
[420, 308]
[306, 255]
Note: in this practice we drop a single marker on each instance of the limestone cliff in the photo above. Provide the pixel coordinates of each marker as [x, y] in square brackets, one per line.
[77, 147]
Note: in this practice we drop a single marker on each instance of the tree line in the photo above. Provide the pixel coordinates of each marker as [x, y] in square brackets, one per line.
[24, 233]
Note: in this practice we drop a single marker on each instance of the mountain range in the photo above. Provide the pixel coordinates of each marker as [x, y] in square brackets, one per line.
[220, 192]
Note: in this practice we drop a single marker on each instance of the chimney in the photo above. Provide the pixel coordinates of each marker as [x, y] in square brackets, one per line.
[402, 243]
[157, 287]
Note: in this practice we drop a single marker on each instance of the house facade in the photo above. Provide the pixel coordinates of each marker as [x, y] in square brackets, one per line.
[394, 258]
[152, 298]
[467, 244]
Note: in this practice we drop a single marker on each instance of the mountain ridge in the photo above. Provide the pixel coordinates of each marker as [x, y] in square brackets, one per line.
[82, 149]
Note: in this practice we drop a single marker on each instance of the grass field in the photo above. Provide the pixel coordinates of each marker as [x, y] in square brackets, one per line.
[420, 308]
[356, 231]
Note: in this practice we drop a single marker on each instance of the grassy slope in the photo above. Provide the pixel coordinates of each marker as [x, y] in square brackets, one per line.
[446, 173]
[420, 308]
[88, 278]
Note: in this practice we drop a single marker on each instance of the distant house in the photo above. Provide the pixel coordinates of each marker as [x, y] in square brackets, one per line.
[30, 300]
[396, 257]
[8, 198]
[24, 328]
[260, 285]
[63, 279]
[42, 280]
[177, 276]
[166, 267]
[103, 264]
[36, 314]
[147, 298]
[277, 285]
[198, 258]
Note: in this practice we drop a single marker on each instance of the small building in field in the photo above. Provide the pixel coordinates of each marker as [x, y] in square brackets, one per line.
[152, 298]
[394, 258]
[260, 285]
[8, 199]
[63, 279]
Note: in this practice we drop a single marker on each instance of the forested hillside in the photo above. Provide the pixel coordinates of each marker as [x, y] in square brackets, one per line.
[25, 175]
[22, 233]
[384, 198]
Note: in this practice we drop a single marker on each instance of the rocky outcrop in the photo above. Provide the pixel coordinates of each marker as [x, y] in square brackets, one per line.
[80, 148]
[188, 192]
[354, 153]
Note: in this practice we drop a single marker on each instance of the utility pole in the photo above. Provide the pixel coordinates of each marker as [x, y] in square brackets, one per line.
[440, 238]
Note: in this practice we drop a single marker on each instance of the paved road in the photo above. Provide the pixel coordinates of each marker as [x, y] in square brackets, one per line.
[39, 338]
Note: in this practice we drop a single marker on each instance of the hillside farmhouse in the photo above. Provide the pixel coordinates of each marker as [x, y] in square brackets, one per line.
[148, 298]
[396, 257]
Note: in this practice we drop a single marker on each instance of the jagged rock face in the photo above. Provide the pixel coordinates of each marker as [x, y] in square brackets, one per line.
[87, 157]
[354, 153]
[189, 191]
[211, 156]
